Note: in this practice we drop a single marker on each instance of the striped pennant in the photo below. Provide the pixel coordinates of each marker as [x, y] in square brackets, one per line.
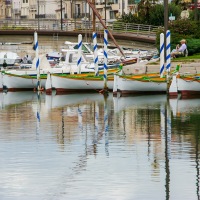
[168, 51]
[162, 60]
[94, 37]
[105, 56]
[79, 53]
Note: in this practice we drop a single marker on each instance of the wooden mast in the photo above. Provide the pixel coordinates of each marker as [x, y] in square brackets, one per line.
[103, 24]
[94, 18]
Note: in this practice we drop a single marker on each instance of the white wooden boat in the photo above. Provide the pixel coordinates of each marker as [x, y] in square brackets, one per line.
[134, 79]
[188, 85]
[78, 83]
[26, 79]
[114, 56]
[9, 57]
[127, 85]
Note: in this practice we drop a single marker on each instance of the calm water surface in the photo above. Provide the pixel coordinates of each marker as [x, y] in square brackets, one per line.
[85, 146]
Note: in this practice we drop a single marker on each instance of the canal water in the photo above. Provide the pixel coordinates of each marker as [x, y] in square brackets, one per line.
[91, 147]
[23, 44]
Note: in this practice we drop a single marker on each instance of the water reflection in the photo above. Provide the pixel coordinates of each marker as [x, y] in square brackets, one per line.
[137, 147]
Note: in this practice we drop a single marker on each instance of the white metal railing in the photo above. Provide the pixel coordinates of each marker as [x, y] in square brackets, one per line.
[69, 25]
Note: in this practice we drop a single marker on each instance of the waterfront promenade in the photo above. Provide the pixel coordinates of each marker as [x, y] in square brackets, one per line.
[121, 36]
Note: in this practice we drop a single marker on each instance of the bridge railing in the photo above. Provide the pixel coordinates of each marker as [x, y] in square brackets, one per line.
[69, 25]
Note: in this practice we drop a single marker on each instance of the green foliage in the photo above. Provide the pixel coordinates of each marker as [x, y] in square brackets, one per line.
[183, 27]
[157, 15]
[130, 18]
[192, 14]
[193, 46]
[151, 14]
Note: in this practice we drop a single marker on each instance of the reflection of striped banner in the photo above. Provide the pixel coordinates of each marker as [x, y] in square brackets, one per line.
[38, 112]
[169, 130]
[80, 119]
[162, 57]
[96, 116]
[38, 116]
[105, 57]
[79, 53]
[94, 37]
[36, 48]
[106, 122]
[168, 51]
[162, 119]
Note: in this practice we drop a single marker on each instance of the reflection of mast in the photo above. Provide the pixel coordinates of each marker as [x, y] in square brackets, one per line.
[149, 134]
[38, 112]
[197, 161]
[63, 127]
[80, 119]
[167, 128]
[106, 123]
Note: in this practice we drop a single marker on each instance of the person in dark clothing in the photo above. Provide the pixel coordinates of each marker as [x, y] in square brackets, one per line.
[4, 64]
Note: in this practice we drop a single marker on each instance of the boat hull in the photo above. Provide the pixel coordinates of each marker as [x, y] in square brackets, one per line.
[128, 86]
[20, 83]
[188, 87]
[66, 84]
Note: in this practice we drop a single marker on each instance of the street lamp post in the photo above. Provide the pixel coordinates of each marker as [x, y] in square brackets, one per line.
[38, 15]
[75, 14]
[165, 24]
[71, 8]
[61, 19]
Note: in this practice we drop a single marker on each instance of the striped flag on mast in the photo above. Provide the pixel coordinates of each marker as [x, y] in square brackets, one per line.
[36, 48]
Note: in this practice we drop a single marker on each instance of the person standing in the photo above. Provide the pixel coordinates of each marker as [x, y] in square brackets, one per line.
[4, 64]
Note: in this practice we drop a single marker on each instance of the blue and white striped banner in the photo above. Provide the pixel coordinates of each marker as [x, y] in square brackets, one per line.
[79, 53]
[94, 37]
[162, 56]
[168, 51]
[36, 47]
[105, 52]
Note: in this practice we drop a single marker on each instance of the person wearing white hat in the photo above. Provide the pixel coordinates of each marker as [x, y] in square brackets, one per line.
[180, 51]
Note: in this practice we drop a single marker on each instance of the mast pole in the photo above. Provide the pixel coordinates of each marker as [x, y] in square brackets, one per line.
[104, 26]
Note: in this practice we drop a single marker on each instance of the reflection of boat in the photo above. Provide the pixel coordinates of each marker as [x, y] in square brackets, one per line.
[185, 106]
[12, 98]
[137, 101]
[53, 101]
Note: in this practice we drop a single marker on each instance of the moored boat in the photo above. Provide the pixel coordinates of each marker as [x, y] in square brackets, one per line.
[134, 79]
[188, 85]
[86, 82]
[10, 58]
